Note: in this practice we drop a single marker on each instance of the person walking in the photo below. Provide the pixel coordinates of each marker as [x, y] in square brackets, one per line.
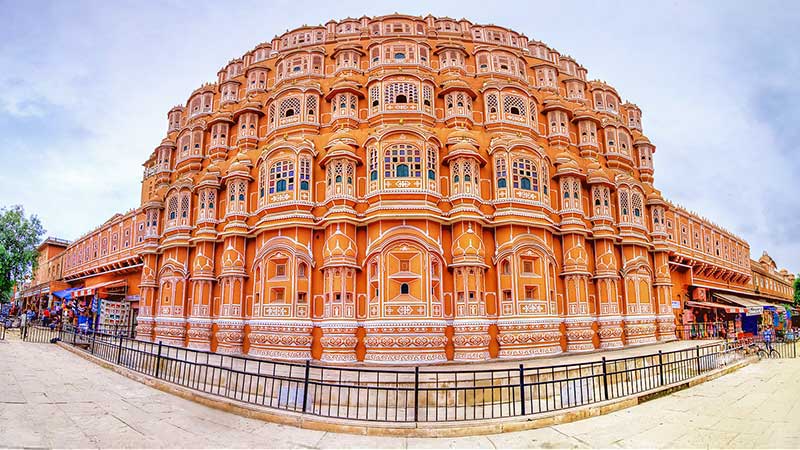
[768, 336]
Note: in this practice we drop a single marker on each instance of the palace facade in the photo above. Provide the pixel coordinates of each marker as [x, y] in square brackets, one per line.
[405, 189]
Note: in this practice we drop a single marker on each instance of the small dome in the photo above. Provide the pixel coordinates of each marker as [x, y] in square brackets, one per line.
[468, 245]
[339, 246]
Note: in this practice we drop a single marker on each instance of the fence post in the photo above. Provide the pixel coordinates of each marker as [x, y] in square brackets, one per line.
[697, 355]
[605, 378]
[305, 385]
[522, 388]
[119, 351]
[158, 358]
[94, 337]
[416, 393]
[74, 336]
[661, 367]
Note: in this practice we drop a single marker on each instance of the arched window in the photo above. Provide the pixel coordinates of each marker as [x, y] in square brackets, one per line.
[305, 172]
[432, 164]
[401, 92]
[402, 160]
[404, 288]
[524, 174]
[501, 172]
[373, 164]
[281, 176]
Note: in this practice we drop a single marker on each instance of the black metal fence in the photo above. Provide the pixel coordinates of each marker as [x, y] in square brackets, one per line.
[404, 395]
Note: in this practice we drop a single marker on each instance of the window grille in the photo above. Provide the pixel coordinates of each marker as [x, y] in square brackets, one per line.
[402, 160]
[281, 177]
[397, 92]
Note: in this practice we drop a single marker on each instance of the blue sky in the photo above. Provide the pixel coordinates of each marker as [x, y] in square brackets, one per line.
[86, 87]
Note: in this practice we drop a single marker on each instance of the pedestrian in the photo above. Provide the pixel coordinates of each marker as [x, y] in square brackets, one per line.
[768, 335]
[46, 317]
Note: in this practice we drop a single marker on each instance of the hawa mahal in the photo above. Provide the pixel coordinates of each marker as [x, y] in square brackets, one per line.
[405, 189]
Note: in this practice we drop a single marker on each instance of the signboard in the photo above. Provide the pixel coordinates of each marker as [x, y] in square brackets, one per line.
[699, 294]
[755, 310]
[676, 304]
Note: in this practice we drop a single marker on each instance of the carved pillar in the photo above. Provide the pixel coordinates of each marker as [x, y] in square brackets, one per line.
[339, 270]
[201, 286]
[470, 324]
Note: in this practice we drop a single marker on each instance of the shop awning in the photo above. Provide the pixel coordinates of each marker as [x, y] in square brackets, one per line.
[90, 290]
[727, 308]
[754, 306]
[65, 294]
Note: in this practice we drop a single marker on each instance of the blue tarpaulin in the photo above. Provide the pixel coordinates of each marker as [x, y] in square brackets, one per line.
[65, 294]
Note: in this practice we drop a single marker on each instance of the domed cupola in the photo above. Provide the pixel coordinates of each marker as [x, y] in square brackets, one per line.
[468, 248]
[339, 250]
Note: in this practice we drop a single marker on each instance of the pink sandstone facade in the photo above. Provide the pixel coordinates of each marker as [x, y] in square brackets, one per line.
[407, 189]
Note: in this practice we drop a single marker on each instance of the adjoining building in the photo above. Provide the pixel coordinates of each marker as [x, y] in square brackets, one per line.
[404, 189]
[47, 279]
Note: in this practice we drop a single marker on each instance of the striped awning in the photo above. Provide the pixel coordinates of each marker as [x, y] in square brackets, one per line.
[90, 290]
[727, 308]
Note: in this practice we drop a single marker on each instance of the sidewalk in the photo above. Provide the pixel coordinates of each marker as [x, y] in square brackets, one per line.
[80, 405]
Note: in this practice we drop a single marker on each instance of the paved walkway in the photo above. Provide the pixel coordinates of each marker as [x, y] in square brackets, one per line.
[52, 398]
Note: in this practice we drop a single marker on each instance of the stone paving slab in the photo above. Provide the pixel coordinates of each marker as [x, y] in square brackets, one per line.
[52, 398]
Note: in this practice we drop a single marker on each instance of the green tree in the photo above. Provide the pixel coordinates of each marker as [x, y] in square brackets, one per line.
[19, 237]
[797, 290]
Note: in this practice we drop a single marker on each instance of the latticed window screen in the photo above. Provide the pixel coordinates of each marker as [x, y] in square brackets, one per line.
[501, 172]
[427, 95]
[305, 172]
[514, 105]
[636, 206]
[624, 205]
[373, 164]
[396, 92]
[402, 160]
[491, 103]
[281, 177]
[184, 211]
[172, 211]
[262, 183]
[272, 115]
[290, 107]
[311, 108]
[432, 164]
[524, 174]
[374, 95]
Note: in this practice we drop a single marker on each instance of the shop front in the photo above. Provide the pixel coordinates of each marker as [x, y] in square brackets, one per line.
[102, 305]
[758, 314]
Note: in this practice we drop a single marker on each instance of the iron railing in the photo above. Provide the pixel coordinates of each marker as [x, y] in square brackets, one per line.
[404, 395]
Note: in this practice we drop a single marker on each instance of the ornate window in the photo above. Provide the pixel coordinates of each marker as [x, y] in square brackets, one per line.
[611, 140]
[207, 199]
[636, 208]
[458, 104]
[571, 193]
[501, 172]
[219, 135]
[558, 123]
[588, 132]
[281, 177]
[524, 174]
[514, 108]
[172, 211]
[600, 199]
[465, 176]
[305, 173]
[401, 92]
[340, 175]
[491, 105]
[624, 206]
[345, 105]
[373, 165]
[262, 184]
[431, 167]
[237, 196]
[290, 107]
[311, 108]
[402, 161]
[184, 218]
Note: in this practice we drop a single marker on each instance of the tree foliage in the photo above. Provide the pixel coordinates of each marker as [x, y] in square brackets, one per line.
[19, 237]
[797, 290]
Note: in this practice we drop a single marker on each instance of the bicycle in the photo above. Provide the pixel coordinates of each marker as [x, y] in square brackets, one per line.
[766, 351]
